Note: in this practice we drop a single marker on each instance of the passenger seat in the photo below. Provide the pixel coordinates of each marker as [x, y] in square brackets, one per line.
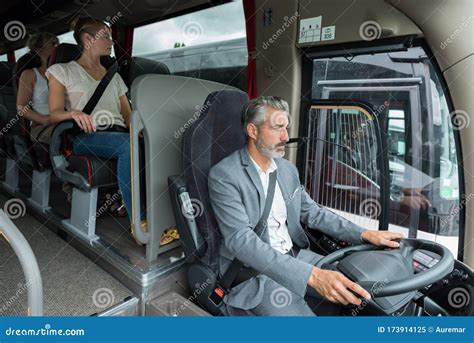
[139, 66]
[85, 173]
[7, 108]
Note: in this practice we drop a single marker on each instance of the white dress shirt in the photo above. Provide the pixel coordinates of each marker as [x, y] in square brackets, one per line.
[280, 239]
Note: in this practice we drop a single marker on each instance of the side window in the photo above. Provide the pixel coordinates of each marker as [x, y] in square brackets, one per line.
[408, 99]
[207, 44]
[67, 37]
[342, 171]
[20, 52]
[396, 134]
[3, 58]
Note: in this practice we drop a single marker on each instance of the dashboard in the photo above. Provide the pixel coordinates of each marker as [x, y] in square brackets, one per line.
[453, 295]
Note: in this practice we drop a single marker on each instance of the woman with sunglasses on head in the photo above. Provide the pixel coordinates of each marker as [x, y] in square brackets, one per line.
[32, 96]
[72, 85]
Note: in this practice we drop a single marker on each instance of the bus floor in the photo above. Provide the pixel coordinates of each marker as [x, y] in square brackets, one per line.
[114, 231]
[72, 284]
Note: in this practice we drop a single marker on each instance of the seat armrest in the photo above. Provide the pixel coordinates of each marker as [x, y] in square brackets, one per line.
[59, 162]
[194, 245]
[58, 132]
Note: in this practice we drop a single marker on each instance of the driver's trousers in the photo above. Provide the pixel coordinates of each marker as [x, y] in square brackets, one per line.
[280, 301]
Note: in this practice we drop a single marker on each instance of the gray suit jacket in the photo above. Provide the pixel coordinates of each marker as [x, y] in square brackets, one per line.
[237, 198]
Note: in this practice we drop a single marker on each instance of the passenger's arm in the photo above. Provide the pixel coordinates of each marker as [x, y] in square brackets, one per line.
[244, 244]
[57, 112]
[24, 98]
[125, 109]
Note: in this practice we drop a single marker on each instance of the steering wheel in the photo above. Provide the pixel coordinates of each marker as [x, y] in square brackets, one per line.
[388, 273]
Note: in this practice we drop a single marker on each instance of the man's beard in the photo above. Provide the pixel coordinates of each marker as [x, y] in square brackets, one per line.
[269, 151]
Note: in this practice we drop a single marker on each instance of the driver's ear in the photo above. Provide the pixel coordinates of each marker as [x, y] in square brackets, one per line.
[252, 130]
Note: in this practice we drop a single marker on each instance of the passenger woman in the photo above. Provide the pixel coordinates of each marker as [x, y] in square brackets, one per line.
[32, 98]
[72, 85]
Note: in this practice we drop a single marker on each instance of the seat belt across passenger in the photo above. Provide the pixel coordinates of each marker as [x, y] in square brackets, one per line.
[237, 266]
[92, 103]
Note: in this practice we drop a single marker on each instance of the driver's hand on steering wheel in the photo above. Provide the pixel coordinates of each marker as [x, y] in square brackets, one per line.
[336, 287]
[381, 238]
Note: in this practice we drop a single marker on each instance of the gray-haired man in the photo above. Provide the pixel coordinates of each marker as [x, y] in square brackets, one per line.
[238, 187]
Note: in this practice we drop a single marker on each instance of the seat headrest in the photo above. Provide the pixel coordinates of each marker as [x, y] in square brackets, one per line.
[142, 66]
[66, 52]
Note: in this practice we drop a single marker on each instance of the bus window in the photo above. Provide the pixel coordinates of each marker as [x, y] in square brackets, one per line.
[20, 52]
[207, 44]
[343, 173]
[3, 58]
[396, 134]
[67, 37]
[405, 93]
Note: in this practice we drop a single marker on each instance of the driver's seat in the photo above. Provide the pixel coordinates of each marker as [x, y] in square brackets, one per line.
[214, 135]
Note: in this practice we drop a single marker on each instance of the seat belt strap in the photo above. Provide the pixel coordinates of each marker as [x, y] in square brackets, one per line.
[236, 265]
[92, 103]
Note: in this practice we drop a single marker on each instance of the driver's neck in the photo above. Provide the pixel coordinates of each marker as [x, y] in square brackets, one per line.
[262, 161]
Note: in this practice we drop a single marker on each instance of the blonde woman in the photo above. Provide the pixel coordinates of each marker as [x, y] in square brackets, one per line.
[32, 98]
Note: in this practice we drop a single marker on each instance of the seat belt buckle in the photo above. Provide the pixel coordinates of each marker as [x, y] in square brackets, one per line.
[217, 295]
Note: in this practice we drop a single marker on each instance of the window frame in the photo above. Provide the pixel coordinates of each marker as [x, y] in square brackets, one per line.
[380, 135]
[378, 46]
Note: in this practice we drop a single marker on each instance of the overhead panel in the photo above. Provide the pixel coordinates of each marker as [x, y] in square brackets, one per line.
[326, 22]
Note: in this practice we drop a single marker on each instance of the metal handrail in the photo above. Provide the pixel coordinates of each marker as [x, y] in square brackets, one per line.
[20, 245]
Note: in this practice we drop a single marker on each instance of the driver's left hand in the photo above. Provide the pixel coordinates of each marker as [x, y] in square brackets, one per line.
[381, 238]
